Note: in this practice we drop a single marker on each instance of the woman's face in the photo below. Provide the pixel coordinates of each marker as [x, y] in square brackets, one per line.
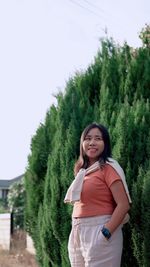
[93, 145]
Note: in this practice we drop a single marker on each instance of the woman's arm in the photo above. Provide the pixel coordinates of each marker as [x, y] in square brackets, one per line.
[122, 207]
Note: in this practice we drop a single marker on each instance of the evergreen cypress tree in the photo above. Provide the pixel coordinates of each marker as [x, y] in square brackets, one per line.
[145, 214]
[35, 175]
[136, 218]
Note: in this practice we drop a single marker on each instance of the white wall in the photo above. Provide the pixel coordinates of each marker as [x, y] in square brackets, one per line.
[30, 247]
[5, 231]
[5, 223]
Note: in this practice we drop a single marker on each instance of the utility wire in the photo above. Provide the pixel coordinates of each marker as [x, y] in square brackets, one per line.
[95, 6]
[105, 30]
[97, 15]
[99, 9]
[91, 11]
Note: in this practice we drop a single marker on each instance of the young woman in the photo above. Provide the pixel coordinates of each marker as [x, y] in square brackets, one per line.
[101, 201]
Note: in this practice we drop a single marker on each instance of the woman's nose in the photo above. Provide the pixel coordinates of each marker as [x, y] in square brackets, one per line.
[92, 141]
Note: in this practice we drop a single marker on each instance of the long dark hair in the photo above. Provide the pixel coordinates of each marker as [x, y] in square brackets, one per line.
[83, 161]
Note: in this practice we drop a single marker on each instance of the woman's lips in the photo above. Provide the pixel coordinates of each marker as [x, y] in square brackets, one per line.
[92, 149]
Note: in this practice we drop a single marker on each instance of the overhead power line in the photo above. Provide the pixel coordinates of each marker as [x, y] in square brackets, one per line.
[98, 12]
[95, 6]
[91, 11]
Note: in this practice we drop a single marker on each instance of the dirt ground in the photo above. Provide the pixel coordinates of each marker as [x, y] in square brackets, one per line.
[17, 259]
[17, 256]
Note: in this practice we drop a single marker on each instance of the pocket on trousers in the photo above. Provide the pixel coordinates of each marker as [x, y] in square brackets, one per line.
[99, 247]
[103, 239]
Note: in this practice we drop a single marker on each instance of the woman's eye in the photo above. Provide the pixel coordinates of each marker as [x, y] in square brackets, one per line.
[96, 138]
[87, 138]
[99, 138]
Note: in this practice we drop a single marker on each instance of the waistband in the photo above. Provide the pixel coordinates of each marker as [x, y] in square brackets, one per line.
[94, 220]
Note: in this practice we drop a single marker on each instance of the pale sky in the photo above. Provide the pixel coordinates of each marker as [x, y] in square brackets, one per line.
[42, 44]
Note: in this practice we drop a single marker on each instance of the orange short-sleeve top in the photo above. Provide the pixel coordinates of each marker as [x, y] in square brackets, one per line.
[96, 197]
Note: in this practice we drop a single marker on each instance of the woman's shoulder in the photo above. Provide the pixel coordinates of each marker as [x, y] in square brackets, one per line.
[112, 165]
[111, 162]
[107, 168]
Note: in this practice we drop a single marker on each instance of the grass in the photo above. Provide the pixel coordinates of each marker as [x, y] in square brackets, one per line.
[17, 256]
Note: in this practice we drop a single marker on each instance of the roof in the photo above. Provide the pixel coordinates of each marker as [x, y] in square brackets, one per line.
[7, 183]
[4, 184]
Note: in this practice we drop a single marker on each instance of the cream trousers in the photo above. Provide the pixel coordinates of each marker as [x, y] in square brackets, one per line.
[88, 247]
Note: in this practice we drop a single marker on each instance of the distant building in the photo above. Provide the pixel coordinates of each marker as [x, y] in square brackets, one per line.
[5, 185]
